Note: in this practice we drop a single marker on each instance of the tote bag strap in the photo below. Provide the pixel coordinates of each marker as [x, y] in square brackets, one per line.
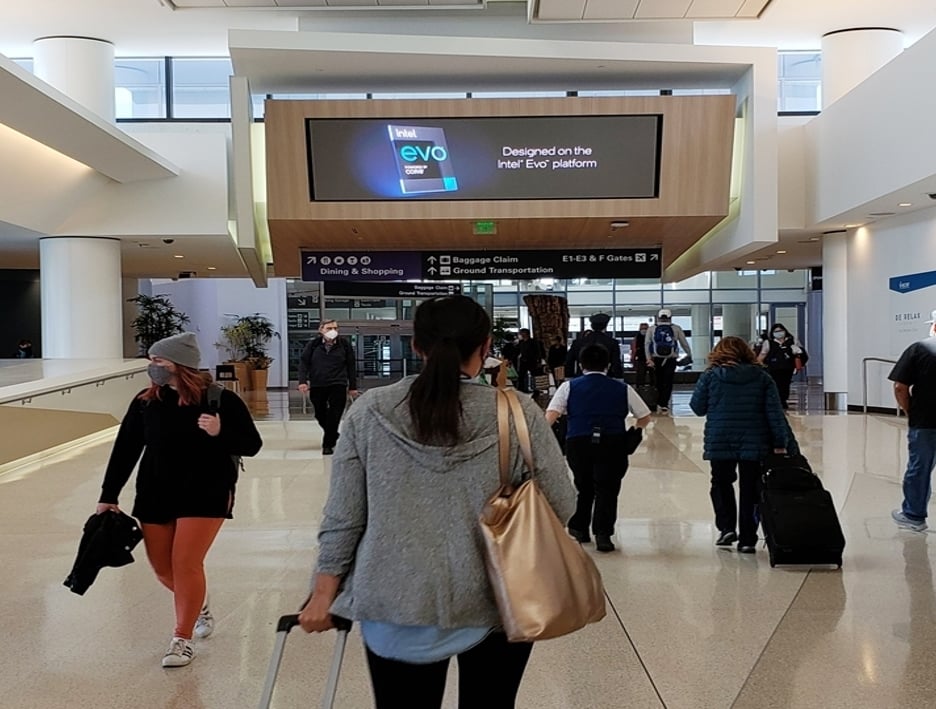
[509, 398]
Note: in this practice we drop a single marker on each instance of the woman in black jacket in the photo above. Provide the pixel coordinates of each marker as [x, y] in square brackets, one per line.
[186, 479]
[778, 352]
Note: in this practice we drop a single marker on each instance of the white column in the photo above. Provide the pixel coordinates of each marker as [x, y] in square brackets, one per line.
[835, 320]
[80, 286]
[82, 68]
[849, 56]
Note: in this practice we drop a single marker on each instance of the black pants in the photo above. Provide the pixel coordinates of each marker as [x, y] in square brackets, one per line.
[489, 676]
[664, 370]
[329, 404]
[723, 497]
[782, 377]
[640, 367]
[597, 469]
[524, 374]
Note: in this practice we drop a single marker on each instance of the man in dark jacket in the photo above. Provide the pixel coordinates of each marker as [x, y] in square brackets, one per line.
[328, 371]
[530, 355]
[598, 336]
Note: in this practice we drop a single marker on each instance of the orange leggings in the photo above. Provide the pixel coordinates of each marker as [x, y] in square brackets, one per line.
[177, 551]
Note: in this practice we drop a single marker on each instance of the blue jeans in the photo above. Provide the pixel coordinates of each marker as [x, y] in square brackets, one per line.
[921, 442]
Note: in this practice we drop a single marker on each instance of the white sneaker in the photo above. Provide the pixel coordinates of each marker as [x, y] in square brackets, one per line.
[204, 626]
[180, 653]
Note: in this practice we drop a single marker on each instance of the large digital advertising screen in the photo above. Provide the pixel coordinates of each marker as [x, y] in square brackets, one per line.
[529, 157]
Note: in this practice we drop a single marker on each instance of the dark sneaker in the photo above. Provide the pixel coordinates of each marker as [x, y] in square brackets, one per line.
[603, 543]
[579, 536]
[726, 539]
[327, 450]
[746, 549]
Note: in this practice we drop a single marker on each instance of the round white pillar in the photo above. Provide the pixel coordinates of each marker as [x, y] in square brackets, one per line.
[80, 290]
[82, 68]
[835, 350]
[849, 56]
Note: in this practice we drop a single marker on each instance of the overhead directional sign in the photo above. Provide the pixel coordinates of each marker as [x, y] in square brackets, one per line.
[580, 263]
[390, 290]
[481, 265]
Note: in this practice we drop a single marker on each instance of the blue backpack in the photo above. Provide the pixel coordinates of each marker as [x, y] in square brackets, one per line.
[664, 341]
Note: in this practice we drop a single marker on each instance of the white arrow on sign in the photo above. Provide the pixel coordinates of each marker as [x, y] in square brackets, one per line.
[654, 257]
[432, 259]
[432, 269]
[310, 259]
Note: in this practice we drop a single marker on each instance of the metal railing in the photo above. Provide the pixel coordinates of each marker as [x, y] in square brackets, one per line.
[864, 379]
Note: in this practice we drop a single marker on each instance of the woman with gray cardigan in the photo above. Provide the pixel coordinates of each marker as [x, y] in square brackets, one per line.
[400, 547]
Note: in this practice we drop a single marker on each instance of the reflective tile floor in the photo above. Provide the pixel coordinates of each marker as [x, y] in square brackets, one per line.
[690, 626]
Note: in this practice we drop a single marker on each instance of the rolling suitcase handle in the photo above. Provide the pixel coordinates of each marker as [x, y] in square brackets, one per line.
[283, 626]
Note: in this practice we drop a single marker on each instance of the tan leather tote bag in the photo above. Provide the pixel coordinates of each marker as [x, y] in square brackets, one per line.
[545, 584]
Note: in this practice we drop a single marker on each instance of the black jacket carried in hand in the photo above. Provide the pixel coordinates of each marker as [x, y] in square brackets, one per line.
[107, 540]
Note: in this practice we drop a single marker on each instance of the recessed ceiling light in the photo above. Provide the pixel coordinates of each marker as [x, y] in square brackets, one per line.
[212, 268]
[750, 263]
[178, 256]
[620, 224]
[853, 226]
[781, 251]
[905, 204]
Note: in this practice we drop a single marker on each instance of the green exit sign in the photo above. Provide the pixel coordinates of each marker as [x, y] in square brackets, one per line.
[484, 227]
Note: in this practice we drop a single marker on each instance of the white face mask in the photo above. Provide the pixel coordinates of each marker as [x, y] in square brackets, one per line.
[779, 334]
[330, 334]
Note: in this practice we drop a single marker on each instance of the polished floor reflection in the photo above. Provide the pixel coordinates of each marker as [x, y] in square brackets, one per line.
[691, 626]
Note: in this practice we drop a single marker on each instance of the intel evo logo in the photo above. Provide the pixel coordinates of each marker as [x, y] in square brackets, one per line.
[412, 153]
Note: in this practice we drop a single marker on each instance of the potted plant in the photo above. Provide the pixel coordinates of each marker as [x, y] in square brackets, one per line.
[260, 332]
[234, 340]
[156, 318]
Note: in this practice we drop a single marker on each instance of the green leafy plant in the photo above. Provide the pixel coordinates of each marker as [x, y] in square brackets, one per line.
[156, 318]
[248, 339]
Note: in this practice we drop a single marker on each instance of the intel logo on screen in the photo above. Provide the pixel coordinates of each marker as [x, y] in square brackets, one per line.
[411, 153]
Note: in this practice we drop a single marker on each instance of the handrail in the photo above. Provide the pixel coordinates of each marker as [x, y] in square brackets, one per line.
[27, 396]
[864, 379]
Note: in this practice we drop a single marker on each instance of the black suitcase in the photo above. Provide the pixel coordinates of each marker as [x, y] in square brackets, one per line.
[799, 520]
[648, 392]
[287, 623]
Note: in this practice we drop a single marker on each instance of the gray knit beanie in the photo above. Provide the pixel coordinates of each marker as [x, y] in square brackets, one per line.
[181, 349]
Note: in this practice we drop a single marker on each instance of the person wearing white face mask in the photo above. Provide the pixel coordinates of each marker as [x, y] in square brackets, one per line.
[782, 357]
[328, 372]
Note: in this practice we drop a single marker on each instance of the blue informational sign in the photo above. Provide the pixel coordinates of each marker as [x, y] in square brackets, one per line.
[913, 282]
[481, 265]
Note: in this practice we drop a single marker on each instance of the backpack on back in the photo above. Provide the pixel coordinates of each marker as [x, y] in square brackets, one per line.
[214, 407]
[664, 341]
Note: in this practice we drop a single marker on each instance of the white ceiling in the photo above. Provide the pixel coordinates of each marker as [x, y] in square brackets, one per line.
[618, 10]
[149, 28]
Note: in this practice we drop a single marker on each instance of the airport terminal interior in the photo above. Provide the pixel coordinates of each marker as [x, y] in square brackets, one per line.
[219, 165]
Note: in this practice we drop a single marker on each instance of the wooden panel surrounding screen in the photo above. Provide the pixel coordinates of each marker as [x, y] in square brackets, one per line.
[694, 178]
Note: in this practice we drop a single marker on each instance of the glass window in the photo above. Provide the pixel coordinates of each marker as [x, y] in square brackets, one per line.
[701, 280]
[800, 81]
[519, 94]
[321, 97]
[200, 88]
[27, 64]
[735, 279]
[783, 279]
[417, 95]
[140, 88]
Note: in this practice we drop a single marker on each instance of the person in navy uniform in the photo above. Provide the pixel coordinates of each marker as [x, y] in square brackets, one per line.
[597, 442]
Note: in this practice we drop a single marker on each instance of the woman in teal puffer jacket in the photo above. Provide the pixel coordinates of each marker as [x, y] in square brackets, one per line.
[744, 422]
